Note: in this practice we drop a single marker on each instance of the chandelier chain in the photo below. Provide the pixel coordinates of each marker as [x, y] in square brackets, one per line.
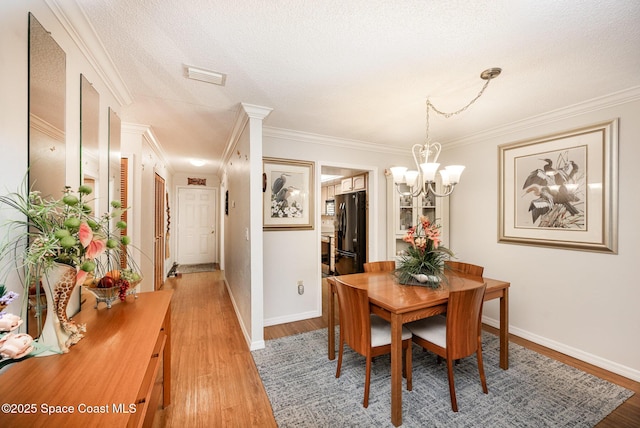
[448, 115]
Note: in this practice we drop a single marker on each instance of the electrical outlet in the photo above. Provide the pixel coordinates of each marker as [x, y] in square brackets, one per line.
[300, 288]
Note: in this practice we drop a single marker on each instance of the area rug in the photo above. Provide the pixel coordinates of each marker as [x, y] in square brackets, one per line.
[536, 391]
[202, 267]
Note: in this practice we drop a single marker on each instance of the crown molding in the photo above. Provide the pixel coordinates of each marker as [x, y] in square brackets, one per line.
[146, 132]
[255, 111]
[617, 98]
[37, 123]
[243, 114]
[595, 104]
[307, 137]
[74, 20]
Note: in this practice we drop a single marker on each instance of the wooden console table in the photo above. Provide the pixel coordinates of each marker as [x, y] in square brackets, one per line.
[114, 377]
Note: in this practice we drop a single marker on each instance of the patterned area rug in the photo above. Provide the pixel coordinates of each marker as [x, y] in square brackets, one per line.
[536, 391]
[202, 267]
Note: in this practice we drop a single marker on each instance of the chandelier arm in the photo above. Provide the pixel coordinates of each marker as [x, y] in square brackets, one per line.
[413, 193]
[417, 189]
[440, 195]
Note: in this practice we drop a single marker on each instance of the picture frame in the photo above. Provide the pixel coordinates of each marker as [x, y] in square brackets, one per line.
[288, 188]
[561, 190]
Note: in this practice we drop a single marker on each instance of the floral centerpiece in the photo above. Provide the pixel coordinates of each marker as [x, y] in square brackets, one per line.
[424, 260]
[60, 244]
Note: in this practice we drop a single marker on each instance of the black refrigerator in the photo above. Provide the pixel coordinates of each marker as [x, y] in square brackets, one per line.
[351, 232]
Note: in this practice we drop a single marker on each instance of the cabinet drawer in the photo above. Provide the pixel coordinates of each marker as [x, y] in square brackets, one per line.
[145, 407]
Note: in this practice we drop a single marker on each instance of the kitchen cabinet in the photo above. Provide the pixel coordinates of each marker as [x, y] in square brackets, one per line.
[331, 191]
[323, 200]
[405, 212]
[346, 185]
[359, 182]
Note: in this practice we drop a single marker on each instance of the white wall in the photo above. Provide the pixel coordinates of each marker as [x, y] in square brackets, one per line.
[584, 304]
[290, 256]
[242, 232]
[145, 161]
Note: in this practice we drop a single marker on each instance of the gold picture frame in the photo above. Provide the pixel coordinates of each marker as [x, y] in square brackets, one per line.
[561, 190]
[288, 188]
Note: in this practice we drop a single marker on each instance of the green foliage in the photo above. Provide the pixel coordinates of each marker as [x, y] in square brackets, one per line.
[57, 231]
[428, 262]
[425, 255]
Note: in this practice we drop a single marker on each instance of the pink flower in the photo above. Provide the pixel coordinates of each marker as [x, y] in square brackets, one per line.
[85, 234]
[81, 277]
[93, 247]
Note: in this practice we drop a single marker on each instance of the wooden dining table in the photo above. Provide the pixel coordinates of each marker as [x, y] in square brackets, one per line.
[400, 304]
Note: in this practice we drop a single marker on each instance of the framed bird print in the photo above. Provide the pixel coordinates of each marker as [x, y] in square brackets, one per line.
[288, 194]
[561, 190]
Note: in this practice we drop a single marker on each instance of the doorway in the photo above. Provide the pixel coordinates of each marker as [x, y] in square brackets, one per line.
[197, 208]
[158, 238]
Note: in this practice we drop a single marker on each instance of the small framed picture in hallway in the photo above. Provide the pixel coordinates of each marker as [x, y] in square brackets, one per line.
[288, 194]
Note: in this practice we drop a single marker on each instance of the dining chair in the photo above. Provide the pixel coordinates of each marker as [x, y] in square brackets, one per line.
[382, 266]
[469, 268]
[456, 336]
[366, 333]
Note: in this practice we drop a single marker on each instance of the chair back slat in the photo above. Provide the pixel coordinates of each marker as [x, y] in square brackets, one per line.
[382, 266]
[355, 321]
[462, 267]
[464, 321]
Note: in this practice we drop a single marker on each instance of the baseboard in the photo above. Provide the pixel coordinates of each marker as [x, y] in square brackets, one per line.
[605, 364]
[292, 318]
[245, 333]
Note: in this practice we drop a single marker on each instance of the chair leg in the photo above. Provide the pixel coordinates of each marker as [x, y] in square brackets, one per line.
[483, 379]
[339, 359]
[367, 382]
[452, 387]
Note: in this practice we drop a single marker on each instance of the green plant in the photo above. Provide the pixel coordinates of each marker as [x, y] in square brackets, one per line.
[62, 231]
[425, 255]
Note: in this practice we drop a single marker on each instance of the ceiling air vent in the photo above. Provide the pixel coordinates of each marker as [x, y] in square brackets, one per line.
[203, 75]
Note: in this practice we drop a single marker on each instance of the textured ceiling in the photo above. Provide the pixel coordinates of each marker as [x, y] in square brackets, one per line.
[360, 69]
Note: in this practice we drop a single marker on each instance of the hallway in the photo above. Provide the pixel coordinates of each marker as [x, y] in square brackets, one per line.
[214, 379]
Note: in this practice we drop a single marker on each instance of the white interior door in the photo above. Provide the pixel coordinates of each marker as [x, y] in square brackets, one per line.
[197, 225]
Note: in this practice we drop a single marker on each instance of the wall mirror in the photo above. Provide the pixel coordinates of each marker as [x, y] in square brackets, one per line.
[47, 153]
[89, 135]
[47, 89]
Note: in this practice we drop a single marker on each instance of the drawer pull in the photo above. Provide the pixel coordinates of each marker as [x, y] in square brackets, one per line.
[141, 401]
[156, 355]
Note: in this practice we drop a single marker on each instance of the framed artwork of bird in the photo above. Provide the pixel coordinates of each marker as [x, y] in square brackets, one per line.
[561, 190]
[288, 194]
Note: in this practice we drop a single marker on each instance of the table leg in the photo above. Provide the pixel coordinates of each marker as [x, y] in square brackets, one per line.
[504, 329]
[331, 325]
[396, 369]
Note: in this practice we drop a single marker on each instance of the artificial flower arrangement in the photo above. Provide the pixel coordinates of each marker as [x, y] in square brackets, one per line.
[59, 244]
[65, 231]
[424, 259]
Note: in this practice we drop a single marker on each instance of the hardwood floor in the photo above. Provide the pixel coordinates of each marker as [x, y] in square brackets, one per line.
[214, 379]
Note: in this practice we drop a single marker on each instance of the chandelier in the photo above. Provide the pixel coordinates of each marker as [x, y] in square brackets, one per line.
[423, 178]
